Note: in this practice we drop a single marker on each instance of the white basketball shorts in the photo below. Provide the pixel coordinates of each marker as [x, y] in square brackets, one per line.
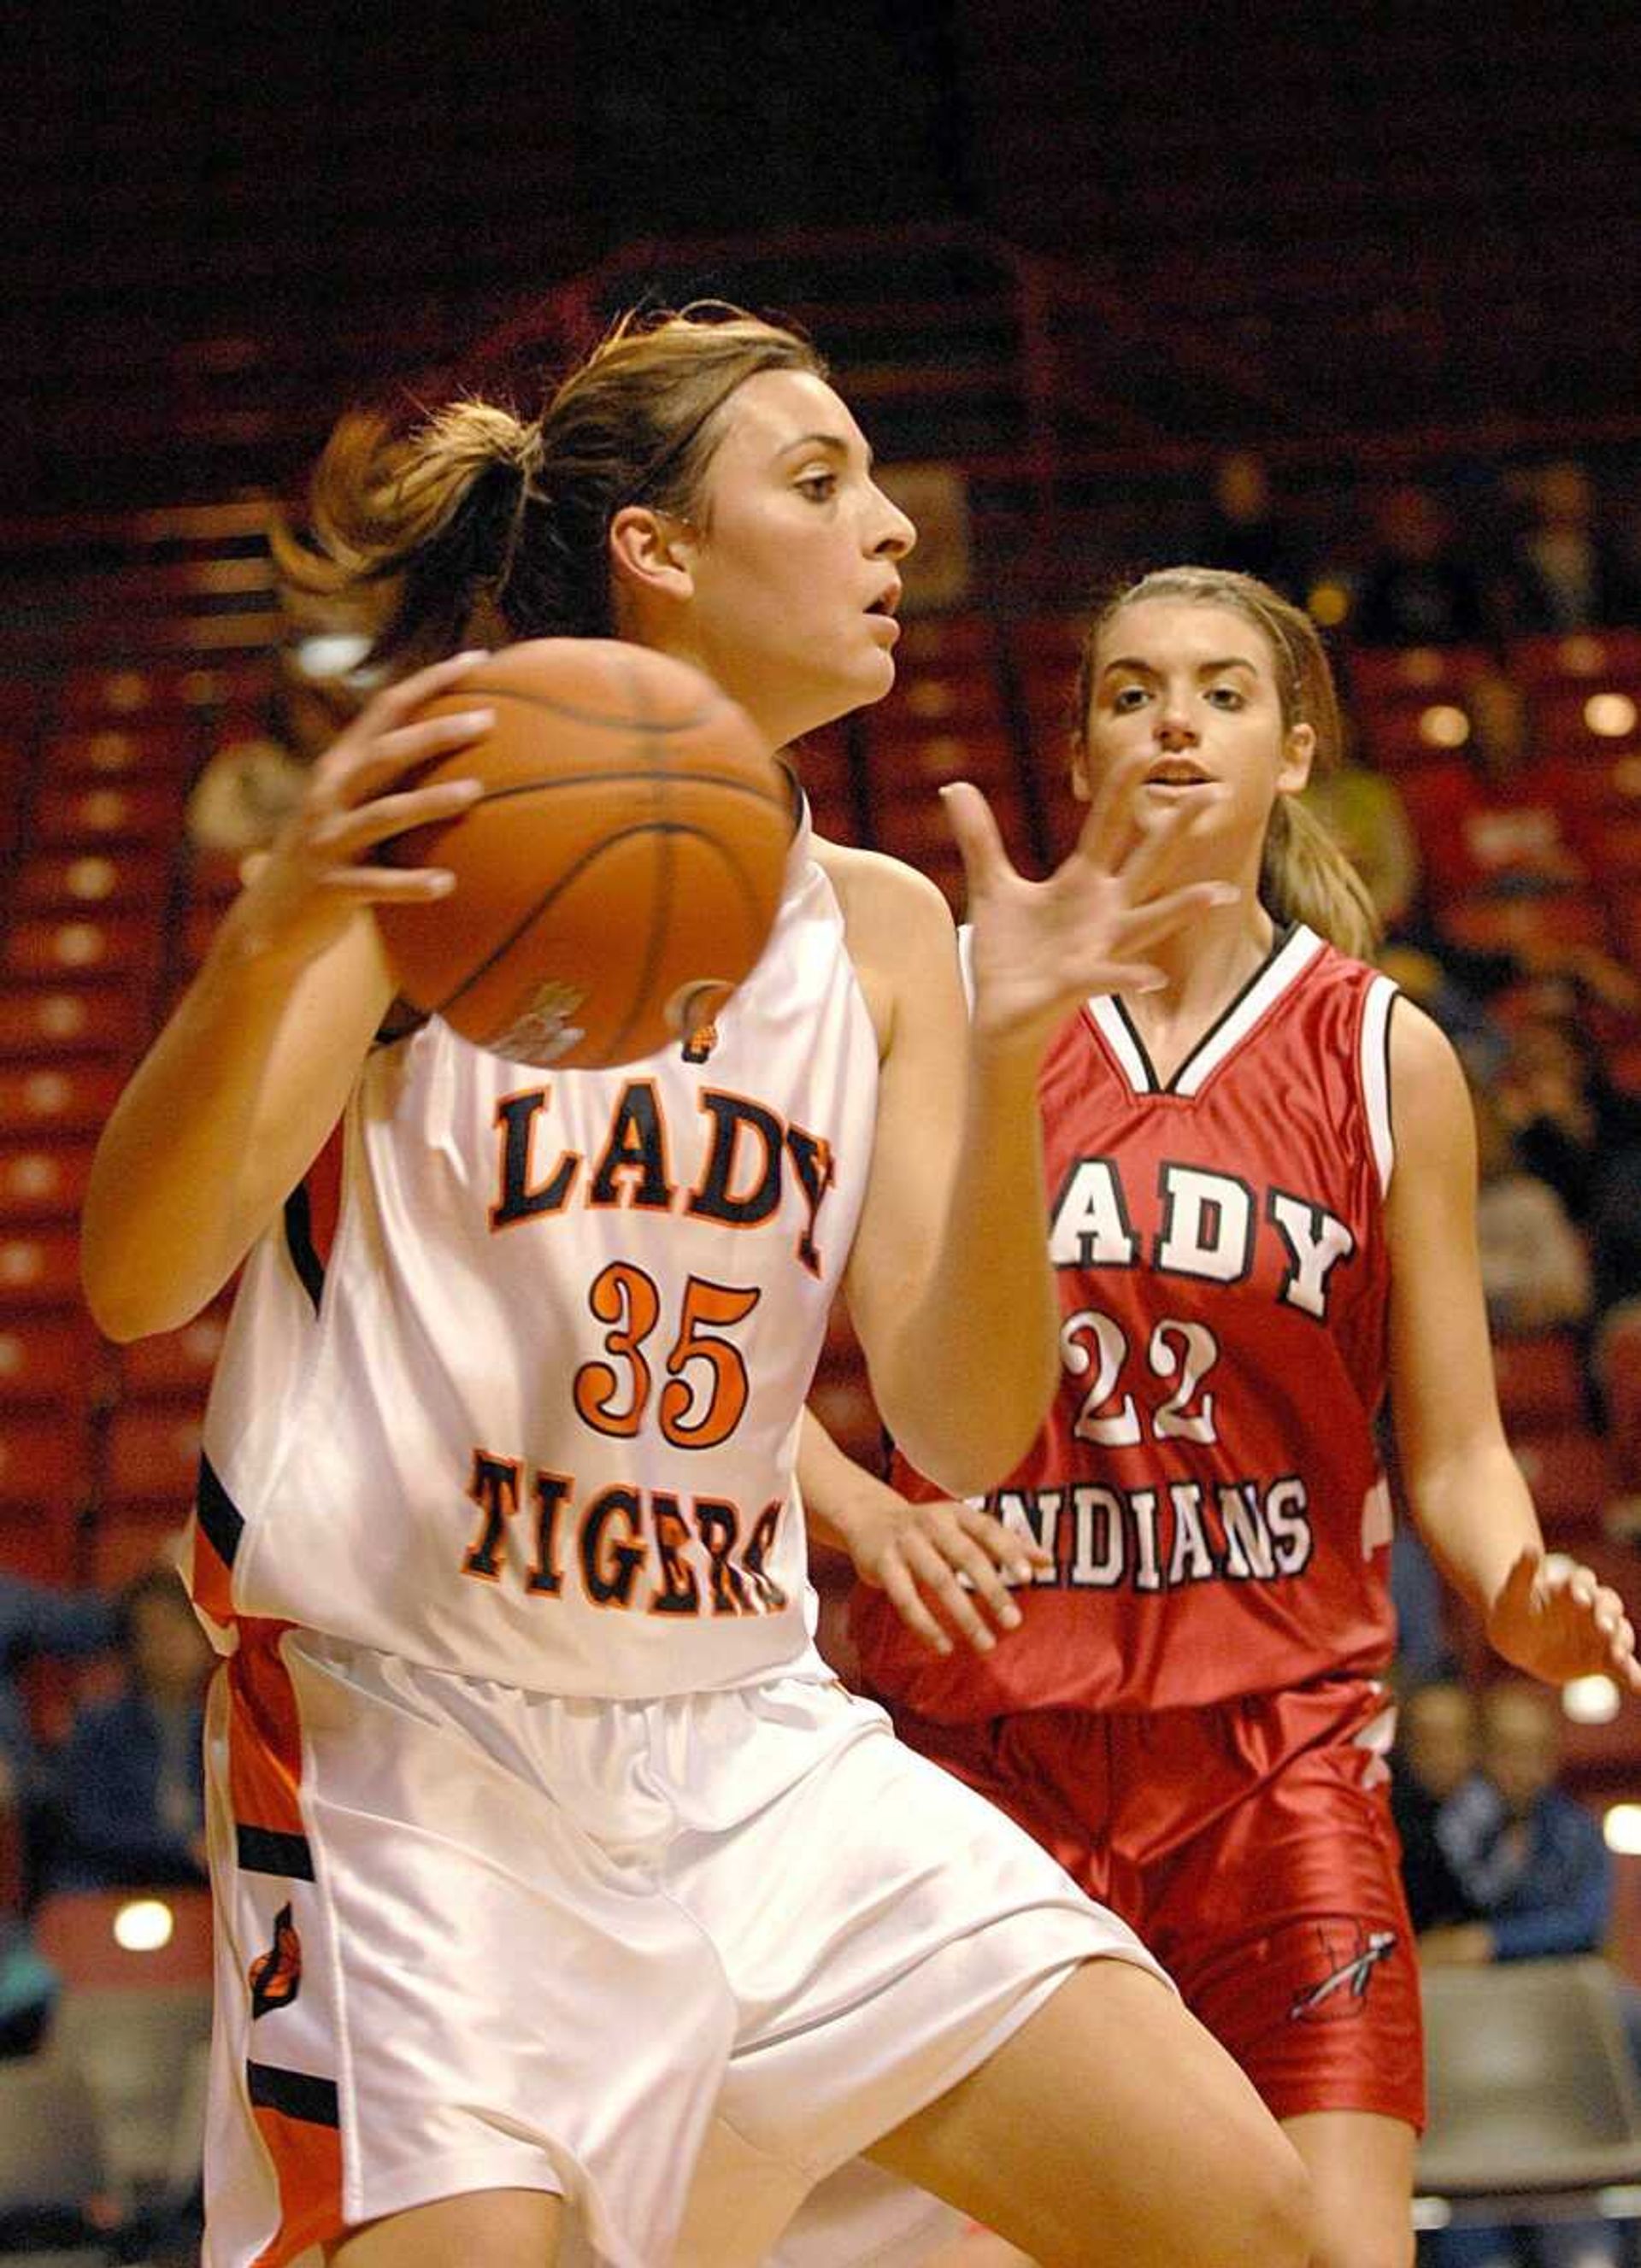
[471, 1937]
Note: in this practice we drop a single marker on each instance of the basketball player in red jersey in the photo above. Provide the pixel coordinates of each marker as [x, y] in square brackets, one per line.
[1262, 1199]
[521, 1715]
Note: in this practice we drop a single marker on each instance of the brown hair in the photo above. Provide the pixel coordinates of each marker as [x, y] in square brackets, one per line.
[484, 526]
[1303, 874]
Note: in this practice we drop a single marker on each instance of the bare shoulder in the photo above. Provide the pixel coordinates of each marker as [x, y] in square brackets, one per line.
[898, 926]
[1427, 1082]
[883, 900]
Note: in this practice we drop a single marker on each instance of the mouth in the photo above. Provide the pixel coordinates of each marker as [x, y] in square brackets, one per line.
[887, 600]
[1177, 774]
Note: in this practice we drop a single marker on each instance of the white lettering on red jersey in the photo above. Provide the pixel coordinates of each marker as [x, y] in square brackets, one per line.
[1208, 1482]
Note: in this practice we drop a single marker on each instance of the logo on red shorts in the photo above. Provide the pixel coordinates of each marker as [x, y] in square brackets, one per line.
[276, 1976]
[1353, 1952]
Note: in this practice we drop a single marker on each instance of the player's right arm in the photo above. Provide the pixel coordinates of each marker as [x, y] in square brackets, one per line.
[231, 1103]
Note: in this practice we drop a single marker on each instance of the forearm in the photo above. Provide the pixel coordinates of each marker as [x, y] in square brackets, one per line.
[971, 1375]
[838, 1495]
[218, 1123]
[1475, 1514]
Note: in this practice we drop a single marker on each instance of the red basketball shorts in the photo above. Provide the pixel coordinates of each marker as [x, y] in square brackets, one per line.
[1251, 1847]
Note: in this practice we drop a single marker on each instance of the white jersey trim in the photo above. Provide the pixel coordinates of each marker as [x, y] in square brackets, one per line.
[1381, 995]
[1286, 965]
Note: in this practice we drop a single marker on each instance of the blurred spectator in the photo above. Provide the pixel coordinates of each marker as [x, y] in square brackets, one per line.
[1244, 529]
[130, 1783]
[1434, 1755]
[1535, 1271]
[1366, 816]
[1486, 814]
[1579, 1132]
[1565, 572]
[1530, 1860]
[1416, 588]
[1535, 1869]
[38, 1623]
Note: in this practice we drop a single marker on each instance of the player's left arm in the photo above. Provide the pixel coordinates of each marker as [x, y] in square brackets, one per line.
[1542, 1610]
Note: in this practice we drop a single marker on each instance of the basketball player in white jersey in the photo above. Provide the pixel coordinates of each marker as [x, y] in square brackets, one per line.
[546, 1848]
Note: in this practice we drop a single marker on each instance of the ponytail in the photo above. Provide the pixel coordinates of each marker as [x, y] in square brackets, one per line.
[412, 538]
[1305, 876]
[481, 527]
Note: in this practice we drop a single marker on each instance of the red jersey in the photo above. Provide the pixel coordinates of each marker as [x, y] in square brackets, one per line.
[1207, 1480]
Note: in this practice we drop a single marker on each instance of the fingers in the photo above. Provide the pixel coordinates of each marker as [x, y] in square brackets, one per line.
[1158, 918]
[1166, 840]
[962, 1562]
[1107, 831]
[357, 827]
[975, 831]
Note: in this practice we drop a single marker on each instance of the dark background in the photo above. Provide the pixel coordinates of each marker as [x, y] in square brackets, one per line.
[1315, 229]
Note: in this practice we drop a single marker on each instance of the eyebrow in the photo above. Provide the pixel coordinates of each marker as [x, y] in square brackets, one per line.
[1205, 669]
[833, 443]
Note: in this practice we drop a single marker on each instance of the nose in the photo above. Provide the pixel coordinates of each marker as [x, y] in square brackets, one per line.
[1176, 728]
[893, 533]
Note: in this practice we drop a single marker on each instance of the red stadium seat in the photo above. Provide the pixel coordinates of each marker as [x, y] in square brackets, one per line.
[93, 882]
[153, 1456]
[44, 1454]
[922, 763]
[114, 754]
[42, 1182]
[1541, 1383]
[1618, 1367]
[52, 1358]
[38, 1268]
[1396, 677]
[946, 641]
[844, 1405]
[120, 949]
[1570, 1475]
[129, 1540]
[175, 1366]
[65, 1099]
[75, 1931]
[1578, 657]
[93, 817]
[66, 1022]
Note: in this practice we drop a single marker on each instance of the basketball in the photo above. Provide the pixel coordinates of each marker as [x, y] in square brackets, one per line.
[621, 873]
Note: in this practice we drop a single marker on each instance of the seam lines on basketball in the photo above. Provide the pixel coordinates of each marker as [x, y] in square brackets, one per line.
[547, 781]
[644, 726]
[544, 905]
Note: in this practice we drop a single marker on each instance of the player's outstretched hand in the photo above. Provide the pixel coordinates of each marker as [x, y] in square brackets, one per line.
[949, 1555]
[301, 892]
[1041, 947]
[1555, 1619]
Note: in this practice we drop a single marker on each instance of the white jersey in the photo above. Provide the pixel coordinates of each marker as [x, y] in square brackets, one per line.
[533, 1416]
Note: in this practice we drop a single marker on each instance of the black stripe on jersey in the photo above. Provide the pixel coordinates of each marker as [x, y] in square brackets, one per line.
[1279, 941]
[220, 1516]
[296, 2093]
[262, 1851]
[299, 1242]
[1396, 999]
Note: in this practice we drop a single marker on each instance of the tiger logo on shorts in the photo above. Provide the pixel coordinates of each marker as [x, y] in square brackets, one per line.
[276, 1976]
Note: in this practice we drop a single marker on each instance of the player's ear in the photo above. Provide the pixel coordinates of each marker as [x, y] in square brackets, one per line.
[1299, 749]
[653, 552]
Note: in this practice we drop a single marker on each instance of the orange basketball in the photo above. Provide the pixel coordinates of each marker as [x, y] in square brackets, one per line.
[621, 874]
